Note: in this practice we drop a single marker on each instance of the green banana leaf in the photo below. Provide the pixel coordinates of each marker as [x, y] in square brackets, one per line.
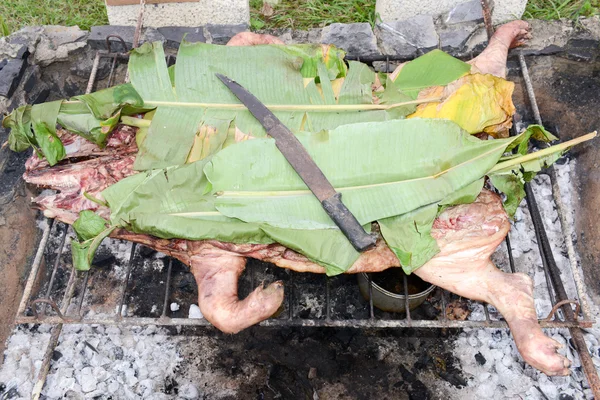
[175, 203]
[199, 99]
[180, 202]
[382, 169]
[92, 116]
[435, 68]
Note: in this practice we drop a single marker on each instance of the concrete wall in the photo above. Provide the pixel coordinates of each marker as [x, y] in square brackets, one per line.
[392, 10]
[197, 13]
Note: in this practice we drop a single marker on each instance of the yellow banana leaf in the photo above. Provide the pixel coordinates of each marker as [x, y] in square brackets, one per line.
[476, 102]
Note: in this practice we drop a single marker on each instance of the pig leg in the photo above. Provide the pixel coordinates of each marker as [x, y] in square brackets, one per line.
[512, 295]
[217, 272]
[493, 59]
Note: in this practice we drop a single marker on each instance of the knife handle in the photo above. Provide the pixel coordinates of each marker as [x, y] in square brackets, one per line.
[348, 223]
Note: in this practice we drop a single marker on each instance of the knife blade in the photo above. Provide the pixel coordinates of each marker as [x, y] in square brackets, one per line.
[295, 153]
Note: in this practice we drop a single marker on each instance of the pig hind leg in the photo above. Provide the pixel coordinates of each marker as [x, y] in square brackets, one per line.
[217, 273]
[512, 295]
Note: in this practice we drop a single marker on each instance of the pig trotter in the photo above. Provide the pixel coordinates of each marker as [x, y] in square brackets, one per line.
[217, 274]
[514, 299]
[493, 59]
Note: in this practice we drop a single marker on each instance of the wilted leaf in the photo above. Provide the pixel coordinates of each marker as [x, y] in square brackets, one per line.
[476, 102]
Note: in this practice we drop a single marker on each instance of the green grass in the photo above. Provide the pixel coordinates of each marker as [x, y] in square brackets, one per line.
[555, 9]
[301, 14]
[306, 14]
[84, 13]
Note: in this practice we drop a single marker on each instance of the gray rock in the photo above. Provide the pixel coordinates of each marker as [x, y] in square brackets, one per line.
[403, 38]
[300, 37]
[174, 35]
[61, 35]
[98, 35]
[469, 11]
[591, 25]
[11, 71]
[357, 39]
[28, 36]
[47, 52]
[31, 78]
[12, 50]
[83, 67]
[550, 37]
[152, 35]
[583, 46]
[314, 35]
[220, 34]
[454, 38]
[476, 42]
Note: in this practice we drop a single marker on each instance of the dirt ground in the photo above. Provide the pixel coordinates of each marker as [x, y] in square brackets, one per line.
[16, 252]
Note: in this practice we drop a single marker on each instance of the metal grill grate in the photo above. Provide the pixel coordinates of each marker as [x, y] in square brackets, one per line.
[30, 312]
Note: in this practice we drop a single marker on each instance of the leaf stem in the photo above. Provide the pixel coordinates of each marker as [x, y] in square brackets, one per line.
[542, 153]
[137, 122]
[294, 107]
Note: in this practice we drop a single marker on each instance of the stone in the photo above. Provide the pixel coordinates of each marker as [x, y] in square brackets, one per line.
[453, 39]
[98, 35]
[188, 391]
[28, 36]
[87, 380]
[152, 35]
[550, 37]
[174, 35]
[174, 307]
[403, 38]
[220, 34]
[61, 35]
[195, 13]
[11, 71]
[314, 35]
[358, 40]
[83, 67]
[469, 11]
[195, 312]
[476, 43]
[12, 50]
[390, 10]
[591, 25]
[53, 48]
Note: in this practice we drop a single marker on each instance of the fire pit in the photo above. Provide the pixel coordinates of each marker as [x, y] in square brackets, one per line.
[133, 286]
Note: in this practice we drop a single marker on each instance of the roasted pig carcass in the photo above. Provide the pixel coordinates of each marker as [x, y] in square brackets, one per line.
[466, 235]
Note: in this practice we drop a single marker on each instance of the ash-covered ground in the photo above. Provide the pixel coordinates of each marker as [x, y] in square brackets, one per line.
[150, 362]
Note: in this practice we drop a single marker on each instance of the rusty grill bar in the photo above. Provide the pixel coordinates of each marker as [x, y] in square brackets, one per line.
[29, 313]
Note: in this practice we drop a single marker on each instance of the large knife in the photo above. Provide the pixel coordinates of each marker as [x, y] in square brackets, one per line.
[304, 165]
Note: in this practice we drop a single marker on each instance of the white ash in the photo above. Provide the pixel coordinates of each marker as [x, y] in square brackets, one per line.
[93, 361]
[504, 375]
[174, 307]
